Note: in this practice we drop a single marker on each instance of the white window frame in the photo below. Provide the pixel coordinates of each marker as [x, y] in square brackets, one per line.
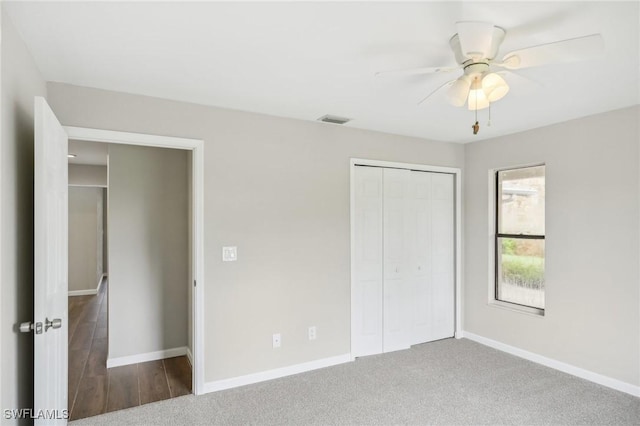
[491, 288]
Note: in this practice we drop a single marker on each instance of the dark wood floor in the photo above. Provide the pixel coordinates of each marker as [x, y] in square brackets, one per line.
[94, 389]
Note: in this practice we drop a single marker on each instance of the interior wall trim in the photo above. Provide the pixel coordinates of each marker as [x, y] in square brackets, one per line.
[148, 356]
[263, 376]
[190, 357]
[196, 146]
[600, 379]
[90, 291]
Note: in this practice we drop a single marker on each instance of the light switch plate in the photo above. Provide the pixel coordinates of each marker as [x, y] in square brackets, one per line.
[229, 254]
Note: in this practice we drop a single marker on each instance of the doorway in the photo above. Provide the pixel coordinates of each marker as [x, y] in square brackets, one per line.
[164, 372]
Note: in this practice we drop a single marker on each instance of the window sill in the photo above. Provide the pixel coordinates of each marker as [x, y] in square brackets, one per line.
[535, 312]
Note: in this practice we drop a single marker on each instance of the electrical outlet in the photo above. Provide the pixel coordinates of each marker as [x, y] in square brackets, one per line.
[312, 332]
[276, 340]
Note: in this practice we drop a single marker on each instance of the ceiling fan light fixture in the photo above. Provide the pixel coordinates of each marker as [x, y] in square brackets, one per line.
[475, 46]
[457, 93]
[477, 100]
[494, 87]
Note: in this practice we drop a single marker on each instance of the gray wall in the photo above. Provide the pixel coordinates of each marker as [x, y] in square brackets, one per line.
[87, 175]
[21, 81]
[592, 281]
[85, 237]
[148, 249]
[279, 190]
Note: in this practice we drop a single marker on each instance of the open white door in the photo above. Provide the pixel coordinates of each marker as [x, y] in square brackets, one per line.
[50, 325]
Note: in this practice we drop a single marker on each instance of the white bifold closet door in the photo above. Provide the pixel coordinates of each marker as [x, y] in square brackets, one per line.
[396, 283]
[367, 280]
[404, 259]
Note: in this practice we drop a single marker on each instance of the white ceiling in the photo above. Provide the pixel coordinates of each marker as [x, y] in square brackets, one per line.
[304, 60]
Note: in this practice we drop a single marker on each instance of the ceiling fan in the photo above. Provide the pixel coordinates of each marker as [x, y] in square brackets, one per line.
[475, 47]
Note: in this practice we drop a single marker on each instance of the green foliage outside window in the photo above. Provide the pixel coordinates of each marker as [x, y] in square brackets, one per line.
[522, 265]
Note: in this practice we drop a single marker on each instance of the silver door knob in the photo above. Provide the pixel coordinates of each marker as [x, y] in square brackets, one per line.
[26, 327]
[55, 323]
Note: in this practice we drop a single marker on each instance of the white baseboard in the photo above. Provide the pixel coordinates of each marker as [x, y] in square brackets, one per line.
[89, 292]
[263, 376]
[149, 356]
[190, 357]
[557, 365]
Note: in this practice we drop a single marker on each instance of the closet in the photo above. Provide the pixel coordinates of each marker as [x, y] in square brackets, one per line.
[403, 278]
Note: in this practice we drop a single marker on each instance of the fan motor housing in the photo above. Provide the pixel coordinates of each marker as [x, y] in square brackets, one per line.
[497, 36]
[476, 68]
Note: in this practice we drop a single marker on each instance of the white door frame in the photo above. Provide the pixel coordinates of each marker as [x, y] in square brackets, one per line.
[458, 229]
[196, 146]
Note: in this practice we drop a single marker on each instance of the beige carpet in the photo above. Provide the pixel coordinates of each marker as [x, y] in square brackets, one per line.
[449, 382]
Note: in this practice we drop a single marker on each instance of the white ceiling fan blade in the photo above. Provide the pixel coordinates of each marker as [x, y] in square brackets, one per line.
[523, 86]
[476, 39]
[436, 90]
[415, 71]
[571, 50]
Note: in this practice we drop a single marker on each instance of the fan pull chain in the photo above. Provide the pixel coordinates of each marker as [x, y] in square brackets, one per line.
[476, 126]
[489, 122]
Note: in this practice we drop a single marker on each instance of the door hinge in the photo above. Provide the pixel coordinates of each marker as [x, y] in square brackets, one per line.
[194, 283]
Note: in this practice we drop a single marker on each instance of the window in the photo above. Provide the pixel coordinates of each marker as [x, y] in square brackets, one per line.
[520, 235]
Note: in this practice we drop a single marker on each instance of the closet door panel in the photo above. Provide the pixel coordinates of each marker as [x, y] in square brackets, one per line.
[443, 302]
[420, 255]
[404, 250]
[396, 286]
[367, 292]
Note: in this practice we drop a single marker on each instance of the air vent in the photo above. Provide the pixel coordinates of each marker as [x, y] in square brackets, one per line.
[333, 119]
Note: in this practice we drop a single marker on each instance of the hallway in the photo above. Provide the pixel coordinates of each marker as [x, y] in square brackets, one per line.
[94, 389]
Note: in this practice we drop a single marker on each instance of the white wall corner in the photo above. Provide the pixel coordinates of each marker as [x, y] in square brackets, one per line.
[600, 379]
[263, 376]
[149, 356]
